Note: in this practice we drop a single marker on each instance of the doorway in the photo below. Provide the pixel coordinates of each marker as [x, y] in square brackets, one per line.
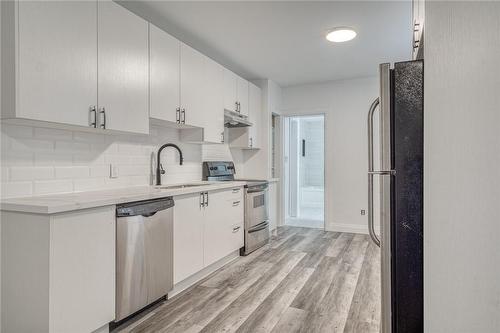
[304, 171]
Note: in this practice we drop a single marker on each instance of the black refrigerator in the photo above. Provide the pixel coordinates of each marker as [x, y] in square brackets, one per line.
[399, 173]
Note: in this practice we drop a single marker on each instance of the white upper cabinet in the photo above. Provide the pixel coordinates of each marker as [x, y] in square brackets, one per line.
[255, 115]
[249, 137]
[57, 61]
[192, 86]
[164, 75]
[235, 93]
[123, 77]
[243, 96]
[213, 115]
[230, 90]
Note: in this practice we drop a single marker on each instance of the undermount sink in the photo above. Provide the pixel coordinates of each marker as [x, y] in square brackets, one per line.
[175, 187]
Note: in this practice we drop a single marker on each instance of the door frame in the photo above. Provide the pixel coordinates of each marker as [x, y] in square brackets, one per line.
[285, 114]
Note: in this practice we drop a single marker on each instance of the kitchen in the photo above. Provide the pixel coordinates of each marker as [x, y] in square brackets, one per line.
[138, 190]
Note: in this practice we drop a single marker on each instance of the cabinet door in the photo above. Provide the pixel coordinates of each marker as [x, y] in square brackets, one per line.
[243, 95]
[123, 68]
[188, 236]
[255, 115]
[82, 270]
[57, 61]
[230, 90]
[223, 225]
[213, 116]
[164, 75]
[192, 84]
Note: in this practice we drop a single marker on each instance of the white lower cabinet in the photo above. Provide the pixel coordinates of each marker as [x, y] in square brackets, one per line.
[64, 264]
[207, 227]
[188, 235]
[223, 232]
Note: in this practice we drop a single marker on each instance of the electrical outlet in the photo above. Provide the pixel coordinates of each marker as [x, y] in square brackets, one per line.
[113, 171]
[363, 212]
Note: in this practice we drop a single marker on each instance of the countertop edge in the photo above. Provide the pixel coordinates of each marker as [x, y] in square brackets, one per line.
[137, 193]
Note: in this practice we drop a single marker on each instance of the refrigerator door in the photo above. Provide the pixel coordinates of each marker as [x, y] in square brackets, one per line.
[385, 196]
[384, 176]
[407, 197]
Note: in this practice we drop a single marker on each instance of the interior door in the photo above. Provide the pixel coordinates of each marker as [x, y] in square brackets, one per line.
[123, 69]
[164, 75]
[57, 60]
[192, 86]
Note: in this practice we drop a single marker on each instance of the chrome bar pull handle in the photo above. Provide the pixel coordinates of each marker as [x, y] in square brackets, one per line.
[183, 115]
[202, 199]
[102, 113]
[178, 115]
[371, 228]
[92, 116]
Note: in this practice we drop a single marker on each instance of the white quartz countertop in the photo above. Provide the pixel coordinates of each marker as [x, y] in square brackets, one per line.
[59, 203]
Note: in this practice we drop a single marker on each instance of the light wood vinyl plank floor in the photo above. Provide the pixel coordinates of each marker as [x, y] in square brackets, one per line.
[304, 280]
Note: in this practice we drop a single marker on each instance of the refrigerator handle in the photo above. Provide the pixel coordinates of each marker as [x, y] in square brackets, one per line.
[371, 172]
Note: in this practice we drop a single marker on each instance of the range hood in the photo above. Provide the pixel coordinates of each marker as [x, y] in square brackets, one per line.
[235, 119]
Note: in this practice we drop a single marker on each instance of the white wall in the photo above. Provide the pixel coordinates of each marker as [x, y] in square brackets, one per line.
[462, 167]
[345, 105]
[37, 161]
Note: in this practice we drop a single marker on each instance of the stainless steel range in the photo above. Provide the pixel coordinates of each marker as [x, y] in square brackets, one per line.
[256, 203]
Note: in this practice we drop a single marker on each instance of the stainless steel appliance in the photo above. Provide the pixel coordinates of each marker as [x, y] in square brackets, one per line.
[235, 119]
[256, 203]
[144, 254]
[401, 194]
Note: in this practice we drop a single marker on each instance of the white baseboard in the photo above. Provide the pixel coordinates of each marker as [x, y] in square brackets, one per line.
[351, 228]
[188, 282]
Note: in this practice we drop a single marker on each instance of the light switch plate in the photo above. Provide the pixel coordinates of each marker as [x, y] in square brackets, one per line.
[113, 171]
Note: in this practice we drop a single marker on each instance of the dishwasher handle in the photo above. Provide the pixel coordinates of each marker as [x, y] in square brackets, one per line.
[144, 208]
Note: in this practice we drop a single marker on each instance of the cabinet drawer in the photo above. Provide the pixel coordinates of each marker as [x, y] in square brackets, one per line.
[236, 193]
[236, 237]
[234, 210]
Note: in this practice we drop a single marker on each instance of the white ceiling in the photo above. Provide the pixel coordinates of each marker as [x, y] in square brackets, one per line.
[285, 40]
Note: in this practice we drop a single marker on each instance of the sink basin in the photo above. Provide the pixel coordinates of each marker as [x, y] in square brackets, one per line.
[175, 187]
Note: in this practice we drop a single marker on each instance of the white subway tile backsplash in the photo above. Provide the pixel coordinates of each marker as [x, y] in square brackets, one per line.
[52, 186]
[32, 144]
[16, 131]
[11, 157]
[88, 184]
[53, 159]
[99, 171]
[39, 161]
[31, 173]
[16, 189]
[72, 172]
[65, 146]
[88, 137]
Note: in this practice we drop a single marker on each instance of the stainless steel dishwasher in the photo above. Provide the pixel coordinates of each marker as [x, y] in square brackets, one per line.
[144, 254]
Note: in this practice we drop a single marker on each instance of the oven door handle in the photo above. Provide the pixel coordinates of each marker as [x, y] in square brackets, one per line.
[259, 227]
[257, 190]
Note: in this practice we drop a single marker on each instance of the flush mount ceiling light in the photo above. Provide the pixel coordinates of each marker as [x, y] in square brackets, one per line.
[341, 34]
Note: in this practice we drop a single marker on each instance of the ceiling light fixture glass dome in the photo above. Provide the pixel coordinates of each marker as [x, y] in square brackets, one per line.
[341, 34]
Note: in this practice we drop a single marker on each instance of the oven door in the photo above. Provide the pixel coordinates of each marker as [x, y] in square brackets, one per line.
[256, 201]
[256, 237]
